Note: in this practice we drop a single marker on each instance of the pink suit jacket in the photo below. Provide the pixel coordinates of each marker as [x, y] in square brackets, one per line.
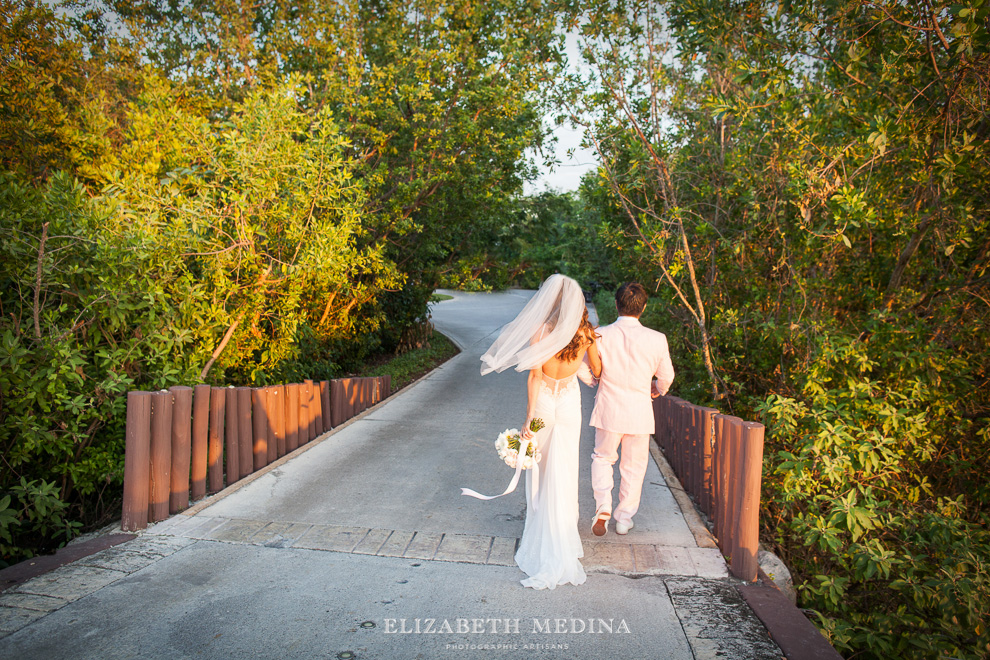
[631, 355]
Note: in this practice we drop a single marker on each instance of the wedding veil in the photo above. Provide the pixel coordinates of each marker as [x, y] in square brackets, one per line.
[545, 325]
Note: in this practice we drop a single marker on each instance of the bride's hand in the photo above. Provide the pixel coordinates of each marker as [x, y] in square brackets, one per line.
[526, 433]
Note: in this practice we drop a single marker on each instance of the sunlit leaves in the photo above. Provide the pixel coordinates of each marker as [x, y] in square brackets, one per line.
[834, 179]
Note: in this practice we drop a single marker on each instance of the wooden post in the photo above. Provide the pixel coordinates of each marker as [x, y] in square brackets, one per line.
[201, 425]
[317, 409]
[349, 399]
[314, 410]
[336, 402]
[359, 394]
[279, 415]
[684, 450]
[745, 559]
[687, 438]
[735, 486]
[690, 448]
[304, 413]
[291, 417]
[671, 431]
[271, 405]
[699, 453]
[232, 436]
[259, 415]
[659, 421]
[137, 462]
[310, 410]
[325, 404]
[218, 400]
[245, 432]
[161, 455]
[367, 391]
[675, 425]
[722, 444]
[707, 466]
[181, 448]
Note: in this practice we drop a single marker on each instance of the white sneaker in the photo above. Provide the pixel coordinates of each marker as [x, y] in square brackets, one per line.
[622, 528]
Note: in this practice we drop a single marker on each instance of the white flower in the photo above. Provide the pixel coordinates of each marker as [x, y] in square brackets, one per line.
[510, 455]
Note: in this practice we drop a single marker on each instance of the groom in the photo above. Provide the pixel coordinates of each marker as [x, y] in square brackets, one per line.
[632, 355]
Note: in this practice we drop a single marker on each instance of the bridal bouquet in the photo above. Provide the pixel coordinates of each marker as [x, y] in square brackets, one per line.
[508, 442]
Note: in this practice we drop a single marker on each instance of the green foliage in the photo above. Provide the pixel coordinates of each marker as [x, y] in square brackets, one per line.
[51, 104]
[33, 512]
[437, 99]
[539, 235]
[414, 363]
[827, 162]
[84, 323]
[554, 233]
[861, 486]
[232, 194]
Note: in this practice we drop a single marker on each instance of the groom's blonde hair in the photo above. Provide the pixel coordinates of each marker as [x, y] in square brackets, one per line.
[630, 299]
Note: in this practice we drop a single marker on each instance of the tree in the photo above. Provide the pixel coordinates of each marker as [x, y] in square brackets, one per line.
[438, 100]
[623, 102]
[831, 157]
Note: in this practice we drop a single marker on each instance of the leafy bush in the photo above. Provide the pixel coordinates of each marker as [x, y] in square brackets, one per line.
[84, 322]
[188, 199]
[886, 521]
[414, 363]
[809, 195]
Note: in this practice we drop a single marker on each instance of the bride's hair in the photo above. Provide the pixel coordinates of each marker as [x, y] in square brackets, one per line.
[583, 337]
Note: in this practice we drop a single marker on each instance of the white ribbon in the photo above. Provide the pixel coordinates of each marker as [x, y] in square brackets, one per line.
[515, 477]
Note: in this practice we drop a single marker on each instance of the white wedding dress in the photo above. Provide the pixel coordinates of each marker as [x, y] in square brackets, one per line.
[550, 548]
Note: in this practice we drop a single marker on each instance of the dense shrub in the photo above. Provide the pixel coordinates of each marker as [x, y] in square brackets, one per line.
[189, 196]
[805, 185]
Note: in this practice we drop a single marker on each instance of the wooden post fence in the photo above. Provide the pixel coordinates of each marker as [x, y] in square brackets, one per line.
[259, 415]
[291, 417]
[271, 407]
[719, 461]
[161, 455]
[325, 404]
[185, 442]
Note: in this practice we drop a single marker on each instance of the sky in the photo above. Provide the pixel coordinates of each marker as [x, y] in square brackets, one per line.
[567, 175]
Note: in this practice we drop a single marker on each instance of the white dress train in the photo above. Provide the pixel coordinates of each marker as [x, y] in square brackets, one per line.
[550, 548]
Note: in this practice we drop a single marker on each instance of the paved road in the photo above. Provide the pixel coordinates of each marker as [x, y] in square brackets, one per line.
[360, 545]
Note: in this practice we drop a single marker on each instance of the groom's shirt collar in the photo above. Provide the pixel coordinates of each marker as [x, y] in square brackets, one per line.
[628, 318]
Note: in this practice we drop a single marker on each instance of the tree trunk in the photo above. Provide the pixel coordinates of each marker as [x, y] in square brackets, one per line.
[221, 346]
[37, 281]
[895, 277]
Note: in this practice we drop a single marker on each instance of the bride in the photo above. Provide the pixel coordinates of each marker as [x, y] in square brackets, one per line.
[550, 337]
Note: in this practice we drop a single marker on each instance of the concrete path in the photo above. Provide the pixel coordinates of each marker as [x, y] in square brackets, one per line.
[360, 545]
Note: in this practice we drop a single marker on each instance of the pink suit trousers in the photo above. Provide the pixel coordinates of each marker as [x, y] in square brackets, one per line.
[632, 469]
